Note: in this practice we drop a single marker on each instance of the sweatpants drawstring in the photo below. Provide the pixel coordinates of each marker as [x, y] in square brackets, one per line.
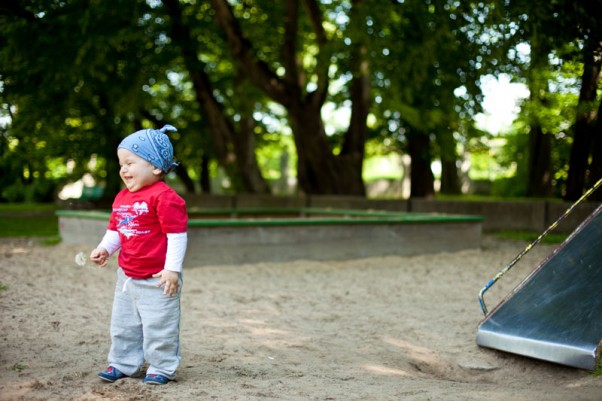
[125, 284]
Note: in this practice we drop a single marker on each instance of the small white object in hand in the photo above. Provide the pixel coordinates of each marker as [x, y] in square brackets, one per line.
[80, 259]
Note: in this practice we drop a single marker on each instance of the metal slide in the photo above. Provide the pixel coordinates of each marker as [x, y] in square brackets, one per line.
[555, 314]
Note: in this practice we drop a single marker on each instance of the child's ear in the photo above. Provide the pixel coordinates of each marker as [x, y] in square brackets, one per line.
[157, 171]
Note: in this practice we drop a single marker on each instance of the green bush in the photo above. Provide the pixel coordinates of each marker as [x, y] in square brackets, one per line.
[40, 190]
[14, 193]
[512, 187]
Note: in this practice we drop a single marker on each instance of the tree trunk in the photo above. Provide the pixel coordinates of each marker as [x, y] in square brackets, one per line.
[108, 149]
[112, 181]
[351, 158]
[595, 168]
[584, 127]
[231, 147]
[205, 179]
[421, 175]
[539, 168]
[580, 151]
[539, 181]
[315, 162]
[319, 171]
[450, 178]
[244, 146]
[182, 174]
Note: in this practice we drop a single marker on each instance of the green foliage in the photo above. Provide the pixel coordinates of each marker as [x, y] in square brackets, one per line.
[514, 186]
[76, 76]
[554, 116]
[382, 167]
[598, 370]
[40, 190]
[19, 367]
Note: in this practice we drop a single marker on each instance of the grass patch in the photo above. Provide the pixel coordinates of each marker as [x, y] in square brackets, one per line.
[29, 220]
[491, 198]
[3, 287]
[27, 207]
[598, 371]
[526, 236]
[19, 367]
[29, 226]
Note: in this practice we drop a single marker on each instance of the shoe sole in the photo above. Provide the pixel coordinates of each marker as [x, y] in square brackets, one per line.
[108, 380]
[155, 382]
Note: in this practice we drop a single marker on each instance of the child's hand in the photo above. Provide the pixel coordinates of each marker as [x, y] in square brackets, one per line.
[171, 281]
[100, 256]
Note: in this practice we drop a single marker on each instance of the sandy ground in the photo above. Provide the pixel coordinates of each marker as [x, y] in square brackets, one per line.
[388, 328]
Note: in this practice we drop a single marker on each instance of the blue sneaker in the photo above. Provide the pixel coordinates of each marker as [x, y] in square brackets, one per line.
[111, 374]
[155, 379]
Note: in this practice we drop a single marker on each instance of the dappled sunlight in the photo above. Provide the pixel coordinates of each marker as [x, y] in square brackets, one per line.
[252, 322]
[267, 332]
[421, 358]
[272, 335]
[387, 371]
[412, 349]
[19, 250]
[259, 332]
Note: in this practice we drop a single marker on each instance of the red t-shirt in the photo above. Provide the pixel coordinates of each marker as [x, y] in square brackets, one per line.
[143, 219]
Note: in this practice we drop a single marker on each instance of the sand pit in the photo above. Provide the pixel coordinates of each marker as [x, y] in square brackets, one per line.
[379, 328]
[237, 236]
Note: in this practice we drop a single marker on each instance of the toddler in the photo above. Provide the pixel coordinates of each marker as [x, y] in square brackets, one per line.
[148, 224]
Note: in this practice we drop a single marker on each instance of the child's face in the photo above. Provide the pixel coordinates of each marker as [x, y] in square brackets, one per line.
[136, 172]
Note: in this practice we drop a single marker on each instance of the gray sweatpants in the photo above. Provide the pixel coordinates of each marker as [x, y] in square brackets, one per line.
[145, 326]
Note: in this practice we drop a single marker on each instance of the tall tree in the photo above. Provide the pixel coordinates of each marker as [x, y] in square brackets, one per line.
[319, 170]
[585, 128]
[531, 22]
[550, 28]
[580, 25]
[235, 149]
[596, 164]
[438, 51]
[76, 77]
[59, 105]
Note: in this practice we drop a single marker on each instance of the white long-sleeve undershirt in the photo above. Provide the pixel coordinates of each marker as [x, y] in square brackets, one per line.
[110, 242]
[176, 250]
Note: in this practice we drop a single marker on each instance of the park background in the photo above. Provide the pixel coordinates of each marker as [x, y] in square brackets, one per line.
[376, 99]
[350, 104]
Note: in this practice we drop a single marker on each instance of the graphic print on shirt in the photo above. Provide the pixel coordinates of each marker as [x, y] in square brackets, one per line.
[127, 222]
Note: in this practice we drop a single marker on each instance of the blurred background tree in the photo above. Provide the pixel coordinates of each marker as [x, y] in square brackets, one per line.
[262, 91]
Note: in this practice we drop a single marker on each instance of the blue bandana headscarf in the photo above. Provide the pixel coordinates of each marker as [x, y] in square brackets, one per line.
[153, 146]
